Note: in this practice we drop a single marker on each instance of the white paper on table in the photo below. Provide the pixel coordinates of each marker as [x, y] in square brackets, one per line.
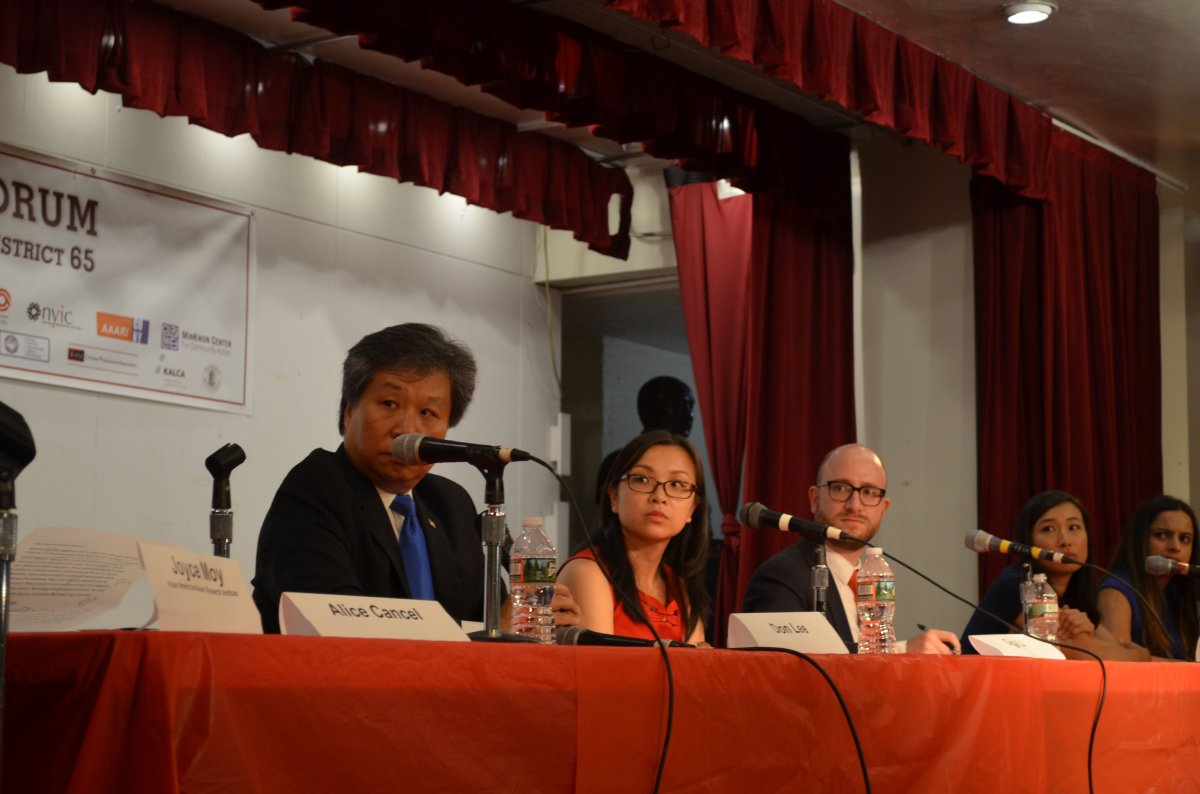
[63, 577]
[1014, 645]
[198, 592]
[320, 615]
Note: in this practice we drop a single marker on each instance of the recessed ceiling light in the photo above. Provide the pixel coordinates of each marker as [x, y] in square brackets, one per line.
[1028, 13]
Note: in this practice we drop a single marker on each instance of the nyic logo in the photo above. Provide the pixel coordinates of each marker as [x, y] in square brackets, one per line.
[62, 317]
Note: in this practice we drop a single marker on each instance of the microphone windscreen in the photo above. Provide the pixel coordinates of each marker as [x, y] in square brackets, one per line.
[406, 449]
[1159, 566]
[978, 541]
[751, 513]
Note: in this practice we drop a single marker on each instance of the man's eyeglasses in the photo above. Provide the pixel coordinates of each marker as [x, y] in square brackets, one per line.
[676, 489]
[869, 495]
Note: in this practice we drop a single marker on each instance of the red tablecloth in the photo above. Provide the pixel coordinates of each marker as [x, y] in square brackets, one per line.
[164, 712]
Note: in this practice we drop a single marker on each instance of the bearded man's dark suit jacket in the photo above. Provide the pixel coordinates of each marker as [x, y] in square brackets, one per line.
[327, 531]
[784, 584]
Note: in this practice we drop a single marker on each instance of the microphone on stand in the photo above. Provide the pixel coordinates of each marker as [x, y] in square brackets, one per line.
[220, 520]
[17, 450]
[981, 541]
[414, 449]
[756, 514]
[1161, 566]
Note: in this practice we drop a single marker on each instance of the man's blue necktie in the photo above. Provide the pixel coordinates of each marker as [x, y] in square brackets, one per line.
[412, 549]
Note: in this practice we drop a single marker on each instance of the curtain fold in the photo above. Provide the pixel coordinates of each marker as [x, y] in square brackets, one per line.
[579, 77]
[162, 60]
[801, 360]
[766, 286]
[711, 248]
[1067, 334]
[827, 50]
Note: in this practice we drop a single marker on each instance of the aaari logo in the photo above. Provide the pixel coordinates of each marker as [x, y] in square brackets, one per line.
[5, 300]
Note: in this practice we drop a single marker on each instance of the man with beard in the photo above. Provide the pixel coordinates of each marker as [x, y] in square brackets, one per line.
[850, 494]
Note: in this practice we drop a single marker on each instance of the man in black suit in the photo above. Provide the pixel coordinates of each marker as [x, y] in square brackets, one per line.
[332, 527]
[851, 494]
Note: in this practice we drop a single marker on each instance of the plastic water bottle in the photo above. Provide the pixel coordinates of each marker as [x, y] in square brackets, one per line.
[1041, 610]
[532, 567]
[876, 600]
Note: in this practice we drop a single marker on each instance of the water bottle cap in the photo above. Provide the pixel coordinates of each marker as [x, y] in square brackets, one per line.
[1039, 577]
[531, 521]
[875, 551]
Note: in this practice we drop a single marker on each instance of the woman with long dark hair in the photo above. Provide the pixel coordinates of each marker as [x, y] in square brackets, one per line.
[1056, 521]
[653, 543]
[1162, 526]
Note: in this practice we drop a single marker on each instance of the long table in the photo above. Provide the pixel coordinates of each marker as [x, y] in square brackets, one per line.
[175, 712]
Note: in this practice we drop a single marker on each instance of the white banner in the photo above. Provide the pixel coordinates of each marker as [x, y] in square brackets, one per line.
[116, 286]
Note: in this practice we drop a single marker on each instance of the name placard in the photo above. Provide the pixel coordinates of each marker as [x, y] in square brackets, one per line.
[320, 615]
[1014, 645]
[198, 592]
[807, 632]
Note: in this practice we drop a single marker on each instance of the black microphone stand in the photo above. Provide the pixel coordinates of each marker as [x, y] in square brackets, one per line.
[494, 529]
[16, 451]
[220, 520]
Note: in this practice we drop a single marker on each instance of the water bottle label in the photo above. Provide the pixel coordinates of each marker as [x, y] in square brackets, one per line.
[1043, 609]
[532, 569]
[876, 591]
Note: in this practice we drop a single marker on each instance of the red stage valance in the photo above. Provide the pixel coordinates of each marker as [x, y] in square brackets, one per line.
[578, 77]
[159, 59]
[847, 59]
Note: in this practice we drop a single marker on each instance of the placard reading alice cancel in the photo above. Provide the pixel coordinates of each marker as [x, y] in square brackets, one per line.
[319, 615]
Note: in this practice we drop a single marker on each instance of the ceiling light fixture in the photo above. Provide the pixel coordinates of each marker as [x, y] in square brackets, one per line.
[1028, 13]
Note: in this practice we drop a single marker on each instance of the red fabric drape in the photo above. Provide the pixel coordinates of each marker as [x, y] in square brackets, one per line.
[801, 372]
[175, 65]
[1067, 333]
[770, 328]
[850, 60]
[711, 248]
[580, 77]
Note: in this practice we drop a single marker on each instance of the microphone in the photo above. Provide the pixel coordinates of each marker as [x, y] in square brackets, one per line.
[755, 514]
[1161, 566]
[414, 449]
[220, 520]
[578, 635]
[981, 541]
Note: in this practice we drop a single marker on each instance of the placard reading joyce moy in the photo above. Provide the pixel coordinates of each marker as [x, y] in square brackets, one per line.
[111, 285]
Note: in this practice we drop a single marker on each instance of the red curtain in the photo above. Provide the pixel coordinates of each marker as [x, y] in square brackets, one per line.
[711, 246]
[769, 316]
[849, 60]
[1067, 334]
[801, 372]
[175, 65]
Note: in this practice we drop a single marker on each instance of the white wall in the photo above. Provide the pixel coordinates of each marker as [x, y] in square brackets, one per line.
[1173, 320]
[340, 254]
[918, 337]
